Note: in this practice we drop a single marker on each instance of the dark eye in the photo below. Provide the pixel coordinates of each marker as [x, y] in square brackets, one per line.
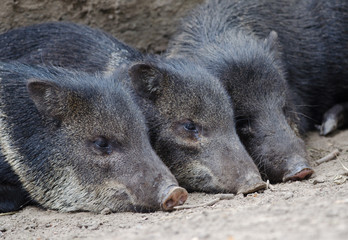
[243, 125]
[101, 142]
[101, 145]
[189, 130]
[190, 126]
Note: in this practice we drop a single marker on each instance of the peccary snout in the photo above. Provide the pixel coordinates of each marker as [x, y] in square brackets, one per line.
[299, 169]
[174, 196]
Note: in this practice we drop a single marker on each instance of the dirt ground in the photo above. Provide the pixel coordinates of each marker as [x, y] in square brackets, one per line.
[313, 209]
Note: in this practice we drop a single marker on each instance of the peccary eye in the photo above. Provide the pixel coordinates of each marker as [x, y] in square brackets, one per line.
[243, 125]
[188, 130]
[190, 126]
[102, 146]
[101, 143]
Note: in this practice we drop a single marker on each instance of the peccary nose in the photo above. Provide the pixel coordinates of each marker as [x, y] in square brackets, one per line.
[298, 172]
[176, 196]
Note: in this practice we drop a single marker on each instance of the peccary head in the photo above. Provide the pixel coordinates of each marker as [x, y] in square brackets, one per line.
[266, 119]
[78, 142]
[191, 126]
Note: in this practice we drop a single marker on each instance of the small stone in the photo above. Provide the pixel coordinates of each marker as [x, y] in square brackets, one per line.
[288, 195]
[340, 179]
[318, 180]
[122, 226]
[105, 211]
[82, 225]
[31, 226]
[94, 226]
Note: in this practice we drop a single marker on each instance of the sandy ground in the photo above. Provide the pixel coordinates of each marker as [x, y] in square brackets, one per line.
[313, 209]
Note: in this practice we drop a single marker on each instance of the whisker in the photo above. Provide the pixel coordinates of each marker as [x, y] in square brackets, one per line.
[302, 114]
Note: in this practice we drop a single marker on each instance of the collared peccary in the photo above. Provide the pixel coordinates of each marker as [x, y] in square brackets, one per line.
[284, 65]
[188, 112]
[76, 142]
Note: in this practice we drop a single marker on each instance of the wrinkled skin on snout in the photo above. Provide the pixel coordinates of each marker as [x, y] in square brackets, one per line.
[194, 132]
[79, 143]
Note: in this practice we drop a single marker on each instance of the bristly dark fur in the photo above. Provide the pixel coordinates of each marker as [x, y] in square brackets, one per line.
[312, 44]
[280, 82]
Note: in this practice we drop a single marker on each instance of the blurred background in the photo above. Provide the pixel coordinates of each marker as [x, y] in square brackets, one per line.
[144, 24]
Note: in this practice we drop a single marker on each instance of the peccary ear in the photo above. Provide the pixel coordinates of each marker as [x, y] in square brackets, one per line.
[146, 79]
[272, 40]
[48, 97]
